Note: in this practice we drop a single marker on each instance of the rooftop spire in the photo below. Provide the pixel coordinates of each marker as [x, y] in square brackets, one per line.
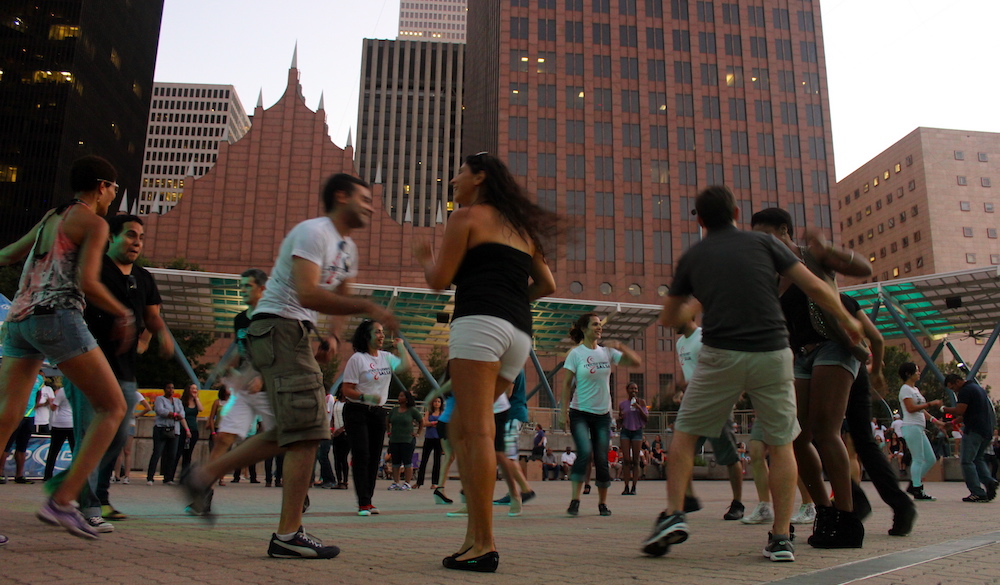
[349, 144]
[295, 56]
[260, 98]
[321, 106]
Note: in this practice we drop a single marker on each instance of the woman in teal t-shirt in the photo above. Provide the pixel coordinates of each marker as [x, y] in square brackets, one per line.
[402, 437]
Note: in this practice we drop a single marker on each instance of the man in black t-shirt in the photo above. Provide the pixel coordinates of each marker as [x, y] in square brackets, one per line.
[134, 286]
[973, 407]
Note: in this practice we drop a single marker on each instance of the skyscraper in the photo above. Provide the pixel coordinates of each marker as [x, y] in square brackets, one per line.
[410, 124]
[432, 20]
[616, 112]
[187, 121]
[75, 79]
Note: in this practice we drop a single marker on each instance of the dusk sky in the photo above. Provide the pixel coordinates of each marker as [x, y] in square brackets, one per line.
[893, 65]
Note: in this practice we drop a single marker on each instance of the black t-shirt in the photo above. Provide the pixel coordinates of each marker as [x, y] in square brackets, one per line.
[241, 323]
[732, 273]
[136, 291]
[979, 416]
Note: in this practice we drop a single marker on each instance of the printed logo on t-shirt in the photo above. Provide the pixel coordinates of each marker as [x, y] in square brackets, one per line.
[595, 364]
[337, 271]
[377, 372]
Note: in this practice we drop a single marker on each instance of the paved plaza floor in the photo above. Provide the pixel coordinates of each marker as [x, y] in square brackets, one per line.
[954, 542]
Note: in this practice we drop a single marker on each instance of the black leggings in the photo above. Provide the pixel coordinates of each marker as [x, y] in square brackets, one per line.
[341, 448]
[365, 426]
[432, 448]
[59, 436]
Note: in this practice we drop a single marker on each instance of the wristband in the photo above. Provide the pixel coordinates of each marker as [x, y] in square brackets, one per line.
[933, 419]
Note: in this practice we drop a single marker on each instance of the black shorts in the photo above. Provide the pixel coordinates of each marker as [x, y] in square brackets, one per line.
[402, 454]
[22, 435]
[442, 428]
[500, 420]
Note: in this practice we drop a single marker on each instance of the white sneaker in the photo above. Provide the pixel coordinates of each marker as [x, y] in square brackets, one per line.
[405, 486]
[761, 514]
[100, 525]
[805, 515]
[394, 487]
[125, 480]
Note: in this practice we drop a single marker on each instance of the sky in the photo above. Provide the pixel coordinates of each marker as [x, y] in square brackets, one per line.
[892, 65]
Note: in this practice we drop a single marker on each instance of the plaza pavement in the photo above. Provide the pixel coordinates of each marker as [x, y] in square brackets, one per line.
[955, 543]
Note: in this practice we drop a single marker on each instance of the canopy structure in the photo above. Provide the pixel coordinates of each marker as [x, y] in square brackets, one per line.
[207, 301]
[936, 306]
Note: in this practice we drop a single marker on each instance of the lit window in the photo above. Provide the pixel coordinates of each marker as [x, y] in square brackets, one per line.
[895, 272]
[885, 175]
[8, 174]
[898, 167]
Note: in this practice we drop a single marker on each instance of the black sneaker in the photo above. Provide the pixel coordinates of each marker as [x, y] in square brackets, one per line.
[603, 510]
[779, 549]
[991, 491]
[504, 501]
[200, 495]
[691, 504]
[735, 511]
[919, 494]
[903, 520]
[973, 498]
[669, 529]
[301, 546]
[527, 496]
[574, 508]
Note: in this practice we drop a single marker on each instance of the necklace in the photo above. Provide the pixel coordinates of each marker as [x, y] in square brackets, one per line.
[78, 200]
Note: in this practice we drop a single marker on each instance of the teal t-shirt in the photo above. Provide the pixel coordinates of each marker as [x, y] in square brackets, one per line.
[39, 382]
[402, 424]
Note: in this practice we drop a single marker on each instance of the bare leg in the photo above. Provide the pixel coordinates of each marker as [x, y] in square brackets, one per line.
[758, 463]
[449, 457]
[831, 387]
[408, 474]
[299, 461]
[782, 483]
[680, 462]
[736, 480]
[809, 465]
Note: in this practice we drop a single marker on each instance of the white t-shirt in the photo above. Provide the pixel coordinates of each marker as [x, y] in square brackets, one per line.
[592, 368]
[330, 402]
[912, 418]
[62, 416]
[897, 427]
[338, 415]
[42, 411]
[372, 374]
[317, 241]
[502, 404]
[688, 349]
[138, 400]
[568, 458]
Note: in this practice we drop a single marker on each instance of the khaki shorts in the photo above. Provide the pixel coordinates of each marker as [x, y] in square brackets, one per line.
[722, 375]
[281, 351]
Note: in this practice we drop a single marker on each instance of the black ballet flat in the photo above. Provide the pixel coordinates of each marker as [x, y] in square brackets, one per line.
[486, 563]
[458, 554]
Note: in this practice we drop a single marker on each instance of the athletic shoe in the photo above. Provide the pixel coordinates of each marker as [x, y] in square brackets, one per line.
[459, 513]
[100, 525]
[199, 495]
[779, 550]
[991, 491]
[22, 480]
[691, 504]
[603, 510]
[66, 516]
[3, 540]
[762, 514]
[669, 529]
[527, 496]
[149, 482]
[515, 507]
[326, 485]
[919, 494]
[504, 501]
[405, 487]
[108, 512]
[301, 546]
[973, 498]
[805, 515]
[125, 480]
[365, 510]
[903, 520]
[394, 487]
[574, 508]
[735, 512]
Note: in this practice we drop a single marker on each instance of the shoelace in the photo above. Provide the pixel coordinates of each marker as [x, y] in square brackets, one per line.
[310, 539]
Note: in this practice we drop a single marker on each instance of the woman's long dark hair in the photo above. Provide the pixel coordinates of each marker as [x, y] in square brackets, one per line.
[502, 191]
[411, 402]
[361, 342]
[576, 333]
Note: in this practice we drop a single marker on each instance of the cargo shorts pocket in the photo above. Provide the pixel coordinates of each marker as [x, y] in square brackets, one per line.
[260, 344]
[299, 402]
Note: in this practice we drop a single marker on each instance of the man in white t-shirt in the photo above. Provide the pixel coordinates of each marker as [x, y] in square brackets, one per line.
[897, 426]
[567, 460]
[311, 275]
[46, 395]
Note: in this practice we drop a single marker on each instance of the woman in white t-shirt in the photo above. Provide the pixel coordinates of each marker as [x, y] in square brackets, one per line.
[915, 417]
[589, 413]
[366, 387]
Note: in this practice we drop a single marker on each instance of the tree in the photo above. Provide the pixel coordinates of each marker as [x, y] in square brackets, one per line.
[153, 371]
[437, 362]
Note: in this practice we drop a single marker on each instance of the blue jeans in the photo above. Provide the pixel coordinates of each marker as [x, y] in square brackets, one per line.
[95, 491]
[974, 469]
[592, 435]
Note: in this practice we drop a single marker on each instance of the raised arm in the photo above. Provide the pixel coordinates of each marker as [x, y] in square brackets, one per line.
[825, 297]
[306, 275]
[440, 269]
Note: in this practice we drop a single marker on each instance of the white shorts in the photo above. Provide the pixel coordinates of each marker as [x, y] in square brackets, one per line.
[490, 339]
[241, 411]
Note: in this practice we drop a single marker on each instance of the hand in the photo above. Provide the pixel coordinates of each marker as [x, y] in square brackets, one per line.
[563, 420]
[387, 319]
[611, 344]
[935, 403]
[187, 432]
[423, 253]
[817, 243]
[853, 329]
[327, 349]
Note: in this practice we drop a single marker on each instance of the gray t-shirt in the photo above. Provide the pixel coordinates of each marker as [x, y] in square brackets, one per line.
[733, 274]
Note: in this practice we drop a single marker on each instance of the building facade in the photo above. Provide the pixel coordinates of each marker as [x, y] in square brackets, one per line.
[432, 20]
[187, 121]
[76, 79]
[616, 112]
[926, 205]
[410, 125]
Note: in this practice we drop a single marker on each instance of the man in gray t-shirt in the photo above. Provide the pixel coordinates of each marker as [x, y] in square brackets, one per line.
[733, 275]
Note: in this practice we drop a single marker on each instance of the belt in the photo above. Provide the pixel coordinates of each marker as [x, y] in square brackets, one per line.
[309, 325]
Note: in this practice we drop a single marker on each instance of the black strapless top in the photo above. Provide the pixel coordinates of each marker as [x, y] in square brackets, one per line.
[493, 281]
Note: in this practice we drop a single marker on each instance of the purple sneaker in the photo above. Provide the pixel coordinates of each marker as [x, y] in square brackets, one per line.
[56, 515]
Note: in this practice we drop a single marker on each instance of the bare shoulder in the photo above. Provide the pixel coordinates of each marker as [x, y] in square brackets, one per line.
[80, 225]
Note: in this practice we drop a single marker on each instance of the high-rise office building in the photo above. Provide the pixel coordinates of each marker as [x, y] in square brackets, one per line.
[432, 20]
[410, 124]
[187, 121]
[926, 205]
[76, 78]
[616, 112]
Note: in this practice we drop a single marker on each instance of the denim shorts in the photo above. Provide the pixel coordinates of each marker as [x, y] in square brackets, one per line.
[61, 336]
[630, 435]
[828, 353]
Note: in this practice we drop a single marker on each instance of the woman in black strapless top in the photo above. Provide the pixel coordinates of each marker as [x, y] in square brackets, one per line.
[492, 253]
